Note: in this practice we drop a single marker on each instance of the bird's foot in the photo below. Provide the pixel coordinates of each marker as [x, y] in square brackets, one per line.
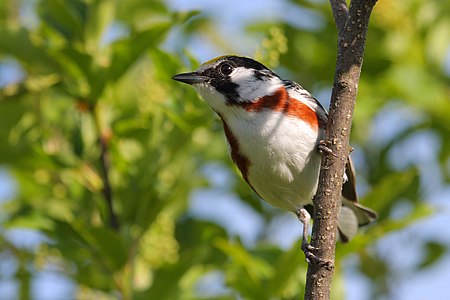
[312, 259]
[309, 250]
[323, 148]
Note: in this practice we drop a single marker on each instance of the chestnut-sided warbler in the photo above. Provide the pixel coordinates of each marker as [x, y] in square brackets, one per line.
[274, 128]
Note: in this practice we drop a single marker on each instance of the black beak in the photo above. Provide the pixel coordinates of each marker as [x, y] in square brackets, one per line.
[190, 78]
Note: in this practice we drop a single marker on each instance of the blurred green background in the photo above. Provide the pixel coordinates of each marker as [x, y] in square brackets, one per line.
[76, 72]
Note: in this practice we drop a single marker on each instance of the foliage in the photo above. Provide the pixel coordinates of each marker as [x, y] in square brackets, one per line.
[98, 71]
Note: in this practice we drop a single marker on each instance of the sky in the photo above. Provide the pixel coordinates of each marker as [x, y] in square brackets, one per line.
[401, 249]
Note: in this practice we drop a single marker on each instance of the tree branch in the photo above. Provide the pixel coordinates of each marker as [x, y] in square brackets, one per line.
[104, 168]
[351, 43]
[340, 13]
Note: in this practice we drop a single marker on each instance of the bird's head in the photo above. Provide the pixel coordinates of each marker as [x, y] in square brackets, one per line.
[231, 80]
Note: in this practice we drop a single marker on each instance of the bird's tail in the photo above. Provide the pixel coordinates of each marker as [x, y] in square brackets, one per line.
[353, 215]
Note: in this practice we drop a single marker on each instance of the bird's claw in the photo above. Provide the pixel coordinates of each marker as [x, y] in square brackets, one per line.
[323, 148]
[309, 250]
[312, 259]
[307, 247]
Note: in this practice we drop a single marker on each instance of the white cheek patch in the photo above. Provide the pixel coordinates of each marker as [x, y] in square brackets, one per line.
[250, 87]
[241, 74]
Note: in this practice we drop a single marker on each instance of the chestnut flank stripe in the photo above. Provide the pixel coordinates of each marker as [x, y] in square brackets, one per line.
[241, 161]
[281, 102]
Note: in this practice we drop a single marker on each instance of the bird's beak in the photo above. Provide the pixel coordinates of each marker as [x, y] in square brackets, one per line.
[190, 78]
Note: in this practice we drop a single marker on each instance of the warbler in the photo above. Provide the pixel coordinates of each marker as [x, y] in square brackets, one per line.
[274, 128]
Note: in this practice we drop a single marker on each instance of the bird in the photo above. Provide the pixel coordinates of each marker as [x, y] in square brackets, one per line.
[275, 130]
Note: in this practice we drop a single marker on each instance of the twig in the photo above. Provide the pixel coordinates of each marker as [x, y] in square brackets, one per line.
[104, 168]
[351, 43]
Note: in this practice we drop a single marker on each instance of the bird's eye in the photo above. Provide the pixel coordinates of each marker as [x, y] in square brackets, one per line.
[226, 69]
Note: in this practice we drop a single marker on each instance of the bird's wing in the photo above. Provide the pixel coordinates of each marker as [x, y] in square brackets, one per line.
[363, 214]
[349, 187]
[298, 92]
[350, 198]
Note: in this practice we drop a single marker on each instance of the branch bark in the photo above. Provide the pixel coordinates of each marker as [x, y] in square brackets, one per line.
[340, 13]
[352, 24]
[104, 168]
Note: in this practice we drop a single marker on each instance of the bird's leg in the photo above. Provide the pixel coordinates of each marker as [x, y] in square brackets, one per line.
[323, 147]
[305, 218]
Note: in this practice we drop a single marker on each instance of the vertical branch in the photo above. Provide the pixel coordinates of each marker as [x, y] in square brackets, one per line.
[104, 168]
[340, 13]
[352, 28]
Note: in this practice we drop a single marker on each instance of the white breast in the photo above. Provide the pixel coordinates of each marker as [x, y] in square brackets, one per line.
[283, 152]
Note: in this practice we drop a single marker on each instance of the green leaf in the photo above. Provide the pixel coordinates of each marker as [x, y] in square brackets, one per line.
[110, 245]
[32, 220]
[434, 251]
[104, 247]
[382, 227]
[100, 15]
[127, 51]
[390, 188]
[67, 17]
[287, 269]
[18, 44]
[257, 269]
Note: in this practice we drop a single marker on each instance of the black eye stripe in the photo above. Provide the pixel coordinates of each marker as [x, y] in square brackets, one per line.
[219, 72]
[229, 90]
